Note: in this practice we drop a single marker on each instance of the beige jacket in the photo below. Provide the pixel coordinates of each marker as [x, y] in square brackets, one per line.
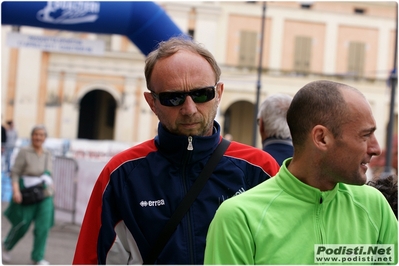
[29, 163]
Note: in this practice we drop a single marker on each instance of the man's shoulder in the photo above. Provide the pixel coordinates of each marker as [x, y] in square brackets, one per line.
[245, 150]
[363, 194]
[358, 189]
[252, 155]
[263, 192]
[137, 151]
[256, 198]
[27, 149]
[131, 155]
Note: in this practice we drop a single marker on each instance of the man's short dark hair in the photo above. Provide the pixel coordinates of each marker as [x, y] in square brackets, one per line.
[317, 103]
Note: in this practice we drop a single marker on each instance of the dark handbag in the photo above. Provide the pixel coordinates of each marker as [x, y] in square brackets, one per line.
[33, 194]
[191, 195]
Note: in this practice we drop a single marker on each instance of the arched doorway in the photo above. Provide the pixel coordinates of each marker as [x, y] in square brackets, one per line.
[97, 116]
[238, 121]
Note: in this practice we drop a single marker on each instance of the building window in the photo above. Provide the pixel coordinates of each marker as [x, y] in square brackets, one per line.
[247, 51]
[356, 59]
[191, 33]
[191, 23]
[15, 28]
[302, 54]
[306, 5]
[107, 38]
[359, 11]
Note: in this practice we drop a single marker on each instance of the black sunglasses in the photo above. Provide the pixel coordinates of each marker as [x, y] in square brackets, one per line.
[174, 98]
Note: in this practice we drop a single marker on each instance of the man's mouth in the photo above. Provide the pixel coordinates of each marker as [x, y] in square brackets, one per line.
[364, 165]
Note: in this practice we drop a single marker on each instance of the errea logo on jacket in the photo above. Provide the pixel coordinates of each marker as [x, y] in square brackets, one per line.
[223, 198]
[152, 203]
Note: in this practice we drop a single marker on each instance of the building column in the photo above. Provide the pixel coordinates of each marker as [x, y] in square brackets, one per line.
[70, 108]
[126, 113]
[276, 41]
[383, 54]
[179, 13]
[11, 84]
[330, 49]
[207, 22]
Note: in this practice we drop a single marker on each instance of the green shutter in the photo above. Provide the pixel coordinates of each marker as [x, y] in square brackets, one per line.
[356, 58]
[247, 50]
[302, 54]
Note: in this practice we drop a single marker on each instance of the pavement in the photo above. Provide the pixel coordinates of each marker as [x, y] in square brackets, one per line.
[60, 243]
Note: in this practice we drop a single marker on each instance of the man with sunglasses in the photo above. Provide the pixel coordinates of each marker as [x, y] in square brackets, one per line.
[139, 189]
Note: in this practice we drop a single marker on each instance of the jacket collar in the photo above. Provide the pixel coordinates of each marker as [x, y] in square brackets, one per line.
[174, 147]
[274, 140]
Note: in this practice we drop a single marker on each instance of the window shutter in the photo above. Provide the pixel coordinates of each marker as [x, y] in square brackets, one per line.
[302, 54]
[356, 57]
[247, 51]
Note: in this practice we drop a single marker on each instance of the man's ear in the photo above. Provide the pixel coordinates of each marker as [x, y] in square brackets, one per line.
[150, 100]
[261, 127]
[219, 92]
[322, 137]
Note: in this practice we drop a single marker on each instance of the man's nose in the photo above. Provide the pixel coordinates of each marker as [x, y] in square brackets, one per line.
[189, 107]
[374, 147]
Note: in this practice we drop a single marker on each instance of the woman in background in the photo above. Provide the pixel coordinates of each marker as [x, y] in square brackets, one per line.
[33, 165]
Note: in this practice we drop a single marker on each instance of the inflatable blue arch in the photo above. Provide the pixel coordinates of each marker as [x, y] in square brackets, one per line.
[144, 23]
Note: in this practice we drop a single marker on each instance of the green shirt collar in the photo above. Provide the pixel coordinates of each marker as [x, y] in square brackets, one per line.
[296, 188]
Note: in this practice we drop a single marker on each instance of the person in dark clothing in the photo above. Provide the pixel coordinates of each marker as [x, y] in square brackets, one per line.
[3, 138]
[139, 189]
[273, 127]
[3, 147]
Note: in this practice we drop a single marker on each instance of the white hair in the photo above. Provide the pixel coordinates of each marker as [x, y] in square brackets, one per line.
[273, 113]
[38, 127]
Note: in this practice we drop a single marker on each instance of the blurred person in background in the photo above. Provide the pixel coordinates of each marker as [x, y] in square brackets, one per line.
[273, 127]
[3, 147]
[12, 137]
[32, 166]
[388, 186]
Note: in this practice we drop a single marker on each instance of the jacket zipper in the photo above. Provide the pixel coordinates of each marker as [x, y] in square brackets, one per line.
[319, 220]
[190, 143]
[190, 147]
